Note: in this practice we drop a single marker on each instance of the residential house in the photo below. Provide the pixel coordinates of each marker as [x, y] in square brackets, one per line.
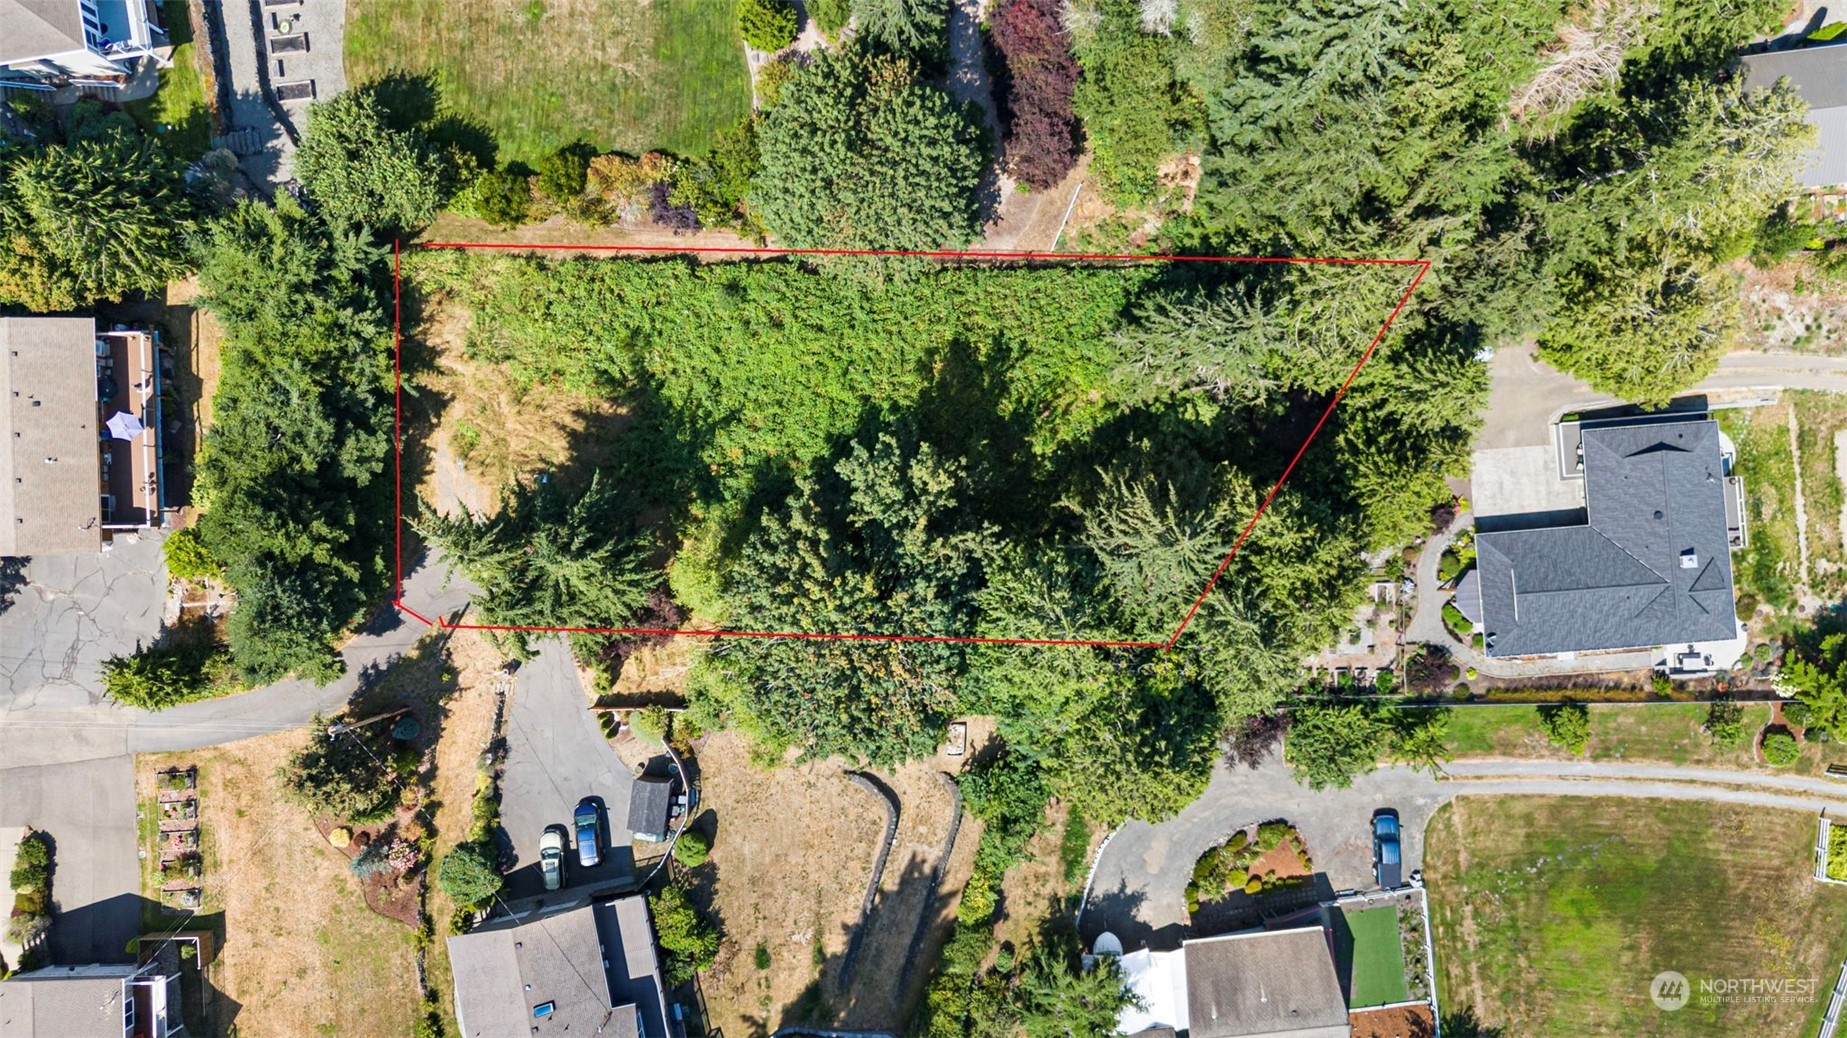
[1819, 76]
[1646, 563]
[50, 43]
[80, 412]
[591, 969]
[91, 1002]
[1257, 984]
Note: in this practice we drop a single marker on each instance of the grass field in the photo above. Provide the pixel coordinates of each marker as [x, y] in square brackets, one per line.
[1372, 949]
[541, 74]
[1818, 416]
[178, 112]
[302, 954]
[1552, 915]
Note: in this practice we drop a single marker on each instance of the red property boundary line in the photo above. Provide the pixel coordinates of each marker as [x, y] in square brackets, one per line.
[397, 336]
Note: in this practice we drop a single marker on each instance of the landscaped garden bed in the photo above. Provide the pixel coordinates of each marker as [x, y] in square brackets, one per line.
[1268, 857]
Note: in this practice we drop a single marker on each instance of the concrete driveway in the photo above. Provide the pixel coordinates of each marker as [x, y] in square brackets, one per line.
[556, 756]
[1526, 394]
[74, 612]
[88, 809]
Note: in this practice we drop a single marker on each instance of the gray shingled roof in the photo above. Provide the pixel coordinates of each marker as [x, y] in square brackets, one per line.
[649, 801]
[1271, 983]
[595, 964]
[1651, 567]
[64, 1002]
[39, 28]
[50, 464]
[1819, 76]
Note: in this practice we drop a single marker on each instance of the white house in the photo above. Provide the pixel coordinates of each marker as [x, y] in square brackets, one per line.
[49, 43]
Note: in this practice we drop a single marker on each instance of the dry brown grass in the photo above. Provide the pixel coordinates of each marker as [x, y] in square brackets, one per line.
[302, 955]
[789, 866]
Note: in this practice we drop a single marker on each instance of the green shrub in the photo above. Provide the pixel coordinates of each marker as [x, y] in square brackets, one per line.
[1566, 725]
[688, 941]
[1837, 852]
[979, 900]
[467, 874]
[1270, 835]
[771, 78]
[1073, 848]
[768, 25]
[1798, 713]
[1457, 623]
[1779, 746]
[187, 557]
[692, 848]
[1384, 683]
[502, 198]
[1253, 886]
[563, 174]
[1663, 685]
[830, 16]
[650, 723]
[1724, 724]
[761, 957]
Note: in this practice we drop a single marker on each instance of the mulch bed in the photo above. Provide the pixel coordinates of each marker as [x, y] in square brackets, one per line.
[392, 895]
[1400, 1022]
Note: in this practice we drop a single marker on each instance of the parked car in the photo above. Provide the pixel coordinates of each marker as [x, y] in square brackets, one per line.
[551, 857]
[1387, 859]
[589, 825]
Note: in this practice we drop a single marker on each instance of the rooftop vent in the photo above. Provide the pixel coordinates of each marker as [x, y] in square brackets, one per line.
[1689, 559]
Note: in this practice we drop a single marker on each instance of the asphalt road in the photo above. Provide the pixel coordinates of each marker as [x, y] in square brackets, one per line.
[1139, 885]
[68, 755]
[88, 809]
[556, 756]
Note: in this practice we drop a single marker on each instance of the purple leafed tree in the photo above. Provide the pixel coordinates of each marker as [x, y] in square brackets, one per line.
[1035, 92]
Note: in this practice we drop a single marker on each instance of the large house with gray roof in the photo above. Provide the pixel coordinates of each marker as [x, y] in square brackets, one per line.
[1647, 564]
[588, 970]
[1818, 74]
[50, 43]
[1253, 984]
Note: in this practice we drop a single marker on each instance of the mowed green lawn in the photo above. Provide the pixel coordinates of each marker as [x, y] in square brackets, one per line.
[1373, 950]
[623, 74]
[1552, 915]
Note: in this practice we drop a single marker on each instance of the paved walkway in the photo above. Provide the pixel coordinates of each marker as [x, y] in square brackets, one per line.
[1138, 891]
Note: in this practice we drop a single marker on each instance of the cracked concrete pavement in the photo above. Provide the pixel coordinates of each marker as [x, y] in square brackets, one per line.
[74, 612]
[1139, 884]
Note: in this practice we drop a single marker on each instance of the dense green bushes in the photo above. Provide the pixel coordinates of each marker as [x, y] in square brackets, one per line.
[30, 918]
[362, 171]
[1779, 746]
[860, 154]
[689, 941]
[289, 474]
[191, 665]
[768, 24]
[89, 211]
[467, 874]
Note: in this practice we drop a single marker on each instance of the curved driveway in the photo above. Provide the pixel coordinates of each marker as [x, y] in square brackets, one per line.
[1139, 885]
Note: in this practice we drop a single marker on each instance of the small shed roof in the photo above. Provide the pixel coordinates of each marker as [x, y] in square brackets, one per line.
[649, 803]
